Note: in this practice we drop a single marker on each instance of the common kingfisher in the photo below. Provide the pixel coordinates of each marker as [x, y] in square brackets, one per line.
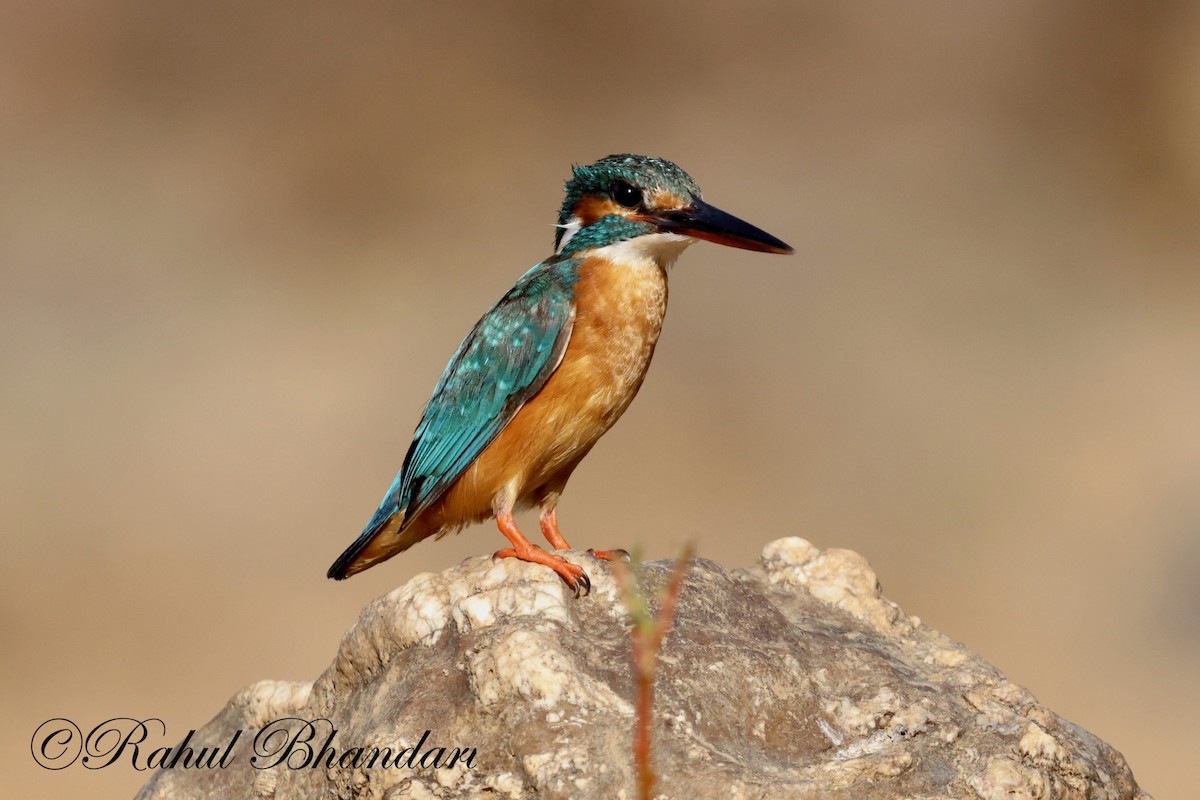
[551, 366]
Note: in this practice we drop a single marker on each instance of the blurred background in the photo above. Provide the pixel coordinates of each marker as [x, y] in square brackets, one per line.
[238, 243]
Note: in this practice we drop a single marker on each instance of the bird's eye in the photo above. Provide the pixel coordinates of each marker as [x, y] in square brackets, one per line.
[626, 195]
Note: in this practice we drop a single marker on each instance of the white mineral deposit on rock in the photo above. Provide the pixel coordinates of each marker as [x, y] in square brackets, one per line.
[794, 679]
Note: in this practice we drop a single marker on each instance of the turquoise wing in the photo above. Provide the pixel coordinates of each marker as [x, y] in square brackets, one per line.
[505, 360]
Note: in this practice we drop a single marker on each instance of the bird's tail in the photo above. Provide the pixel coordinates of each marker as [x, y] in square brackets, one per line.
[381, 540]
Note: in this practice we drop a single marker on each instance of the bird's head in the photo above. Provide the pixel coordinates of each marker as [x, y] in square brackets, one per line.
[623, 197]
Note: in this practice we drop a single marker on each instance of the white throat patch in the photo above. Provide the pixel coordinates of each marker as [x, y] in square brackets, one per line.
[660, 248]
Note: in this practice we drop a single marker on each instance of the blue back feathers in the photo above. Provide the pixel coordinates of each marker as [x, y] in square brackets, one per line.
[504, 361]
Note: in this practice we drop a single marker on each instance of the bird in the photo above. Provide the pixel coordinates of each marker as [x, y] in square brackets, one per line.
[550, 367]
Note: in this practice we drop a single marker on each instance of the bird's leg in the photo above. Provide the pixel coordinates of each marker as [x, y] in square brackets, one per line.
[525, 550]
[549, 520]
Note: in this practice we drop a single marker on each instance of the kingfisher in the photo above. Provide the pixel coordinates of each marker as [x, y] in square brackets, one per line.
[550, 367]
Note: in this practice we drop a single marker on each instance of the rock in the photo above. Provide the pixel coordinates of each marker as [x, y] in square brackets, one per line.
[795, 679]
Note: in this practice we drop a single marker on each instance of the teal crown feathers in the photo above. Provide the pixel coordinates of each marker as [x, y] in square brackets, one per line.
[645, 172]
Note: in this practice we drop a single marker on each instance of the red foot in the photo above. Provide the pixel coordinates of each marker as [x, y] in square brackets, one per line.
[610, 555]
[525, 550]
[572, 574]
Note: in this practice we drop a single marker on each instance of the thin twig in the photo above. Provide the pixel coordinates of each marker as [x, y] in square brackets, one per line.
[646, 638]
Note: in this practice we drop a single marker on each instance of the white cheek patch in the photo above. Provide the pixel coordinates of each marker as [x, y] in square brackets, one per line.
[570, 229]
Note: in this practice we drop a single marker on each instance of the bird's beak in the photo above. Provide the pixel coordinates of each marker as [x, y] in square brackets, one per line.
[701, 221]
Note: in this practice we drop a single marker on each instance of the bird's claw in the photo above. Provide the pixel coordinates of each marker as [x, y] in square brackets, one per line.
[583, 585]
[572, 574]
[616, 554]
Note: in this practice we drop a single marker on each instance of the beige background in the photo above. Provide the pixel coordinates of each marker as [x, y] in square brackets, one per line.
[238, 243]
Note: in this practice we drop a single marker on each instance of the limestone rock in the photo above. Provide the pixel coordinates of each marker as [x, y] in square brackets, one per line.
[795, 679]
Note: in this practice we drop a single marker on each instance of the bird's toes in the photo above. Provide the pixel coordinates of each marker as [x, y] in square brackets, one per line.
[583, 585]
[572, 574]
[616, 554]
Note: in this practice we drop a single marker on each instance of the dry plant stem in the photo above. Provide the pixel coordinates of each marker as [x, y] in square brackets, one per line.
[647, 637]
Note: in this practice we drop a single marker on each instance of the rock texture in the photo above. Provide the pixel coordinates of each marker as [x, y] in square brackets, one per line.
[795, 679]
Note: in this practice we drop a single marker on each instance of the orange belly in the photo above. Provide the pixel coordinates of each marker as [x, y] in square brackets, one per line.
[618, 317]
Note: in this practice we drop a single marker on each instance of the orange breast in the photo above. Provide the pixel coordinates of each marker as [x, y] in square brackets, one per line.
[618, 318]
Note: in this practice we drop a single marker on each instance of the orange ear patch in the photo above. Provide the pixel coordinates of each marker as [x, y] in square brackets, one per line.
[592, 207]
